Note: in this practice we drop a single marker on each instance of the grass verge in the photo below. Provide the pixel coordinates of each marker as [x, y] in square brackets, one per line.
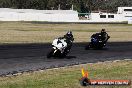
[68, 77]
[29, 32]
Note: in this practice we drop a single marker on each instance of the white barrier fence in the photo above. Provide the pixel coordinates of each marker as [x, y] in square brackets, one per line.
[13, 16]
[7, 14]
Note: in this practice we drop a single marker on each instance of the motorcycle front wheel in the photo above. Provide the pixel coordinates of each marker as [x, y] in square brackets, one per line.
[50, 53]
[88, 46]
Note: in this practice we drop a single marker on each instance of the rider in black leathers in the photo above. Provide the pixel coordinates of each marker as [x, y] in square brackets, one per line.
[103, 36]
[69, 39]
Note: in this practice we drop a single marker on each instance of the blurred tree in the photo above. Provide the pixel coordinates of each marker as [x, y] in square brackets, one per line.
[79, 5]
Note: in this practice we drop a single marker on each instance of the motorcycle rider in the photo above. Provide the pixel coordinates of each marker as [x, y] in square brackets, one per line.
[101, 36]
[104, 36]
[98, 40]
[69, 36]
[61, 46]
[69, 39]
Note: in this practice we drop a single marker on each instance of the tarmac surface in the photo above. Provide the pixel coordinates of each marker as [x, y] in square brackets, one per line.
[29, 57]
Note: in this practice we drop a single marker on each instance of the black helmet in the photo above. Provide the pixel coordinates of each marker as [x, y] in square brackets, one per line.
[103, 30]
[69, 33]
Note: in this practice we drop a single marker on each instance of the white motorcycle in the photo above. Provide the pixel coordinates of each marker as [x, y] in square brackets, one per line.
[58, 48]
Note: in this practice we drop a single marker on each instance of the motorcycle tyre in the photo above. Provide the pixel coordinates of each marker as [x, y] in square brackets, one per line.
[50, 53]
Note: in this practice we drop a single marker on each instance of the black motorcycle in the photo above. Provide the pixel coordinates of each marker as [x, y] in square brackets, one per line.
[97, 42]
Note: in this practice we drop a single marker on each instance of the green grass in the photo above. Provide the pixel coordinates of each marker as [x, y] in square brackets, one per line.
[68, 77]
[35, 32]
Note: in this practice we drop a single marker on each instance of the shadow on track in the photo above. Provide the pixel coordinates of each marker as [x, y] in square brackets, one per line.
[41, 49]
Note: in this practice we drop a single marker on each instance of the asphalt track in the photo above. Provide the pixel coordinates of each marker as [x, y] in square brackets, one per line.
[28, 57]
